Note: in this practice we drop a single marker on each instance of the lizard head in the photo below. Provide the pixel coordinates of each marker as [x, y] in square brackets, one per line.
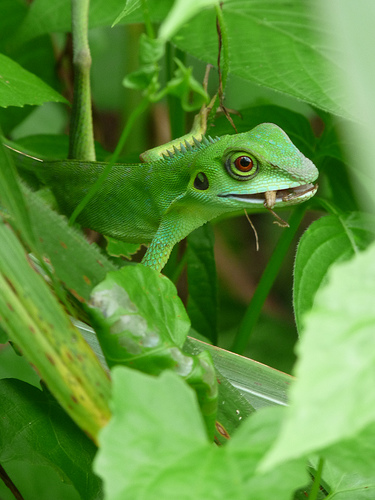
[258, 168]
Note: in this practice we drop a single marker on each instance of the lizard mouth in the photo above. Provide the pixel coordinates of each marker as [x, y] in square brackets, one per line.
[278, 197]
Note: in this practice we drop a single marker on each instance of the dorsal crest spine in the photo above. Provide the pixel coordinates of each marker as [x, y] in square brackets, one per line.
[186, 146]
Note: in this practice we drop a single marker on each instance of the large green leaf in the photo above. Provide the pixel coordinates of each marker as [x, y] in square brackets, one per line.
[156, 430]
[273, 43]
[34, 428]
[328, 240]
[19, 87]
[29, 311]
[45, 16]
[333, 400]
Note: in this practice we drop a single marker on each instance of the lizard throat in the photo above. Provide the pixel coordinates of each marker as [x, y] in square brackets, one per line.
[288, 196]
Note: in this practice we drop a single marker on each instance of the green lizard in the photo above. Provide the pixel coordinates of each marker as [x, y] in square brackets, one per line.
[178, 189]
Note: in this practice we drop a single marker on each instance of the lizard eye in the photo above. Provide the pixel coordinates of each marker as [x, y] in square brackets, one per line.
[201, 182]
[244, 163]
[242, 167]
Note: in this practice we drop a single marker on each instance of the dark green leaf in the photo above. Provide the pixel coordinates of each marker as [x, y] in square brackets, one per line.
[45, 17]
[34, 428]
[11, 197]
[19, 87]
[259, 30]
[202, 281]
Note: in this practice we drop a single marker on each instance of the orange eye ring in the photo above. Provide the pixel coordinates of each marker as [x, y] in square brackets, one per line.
[242, 166]
[244, 163]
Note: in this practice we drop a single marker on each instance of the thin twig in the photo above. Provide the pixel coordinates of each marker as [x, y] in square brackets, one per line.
[255, 231]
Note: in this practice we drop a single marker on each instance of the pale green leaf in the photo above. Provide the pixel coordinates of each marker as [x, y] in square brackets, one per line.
[19, 87]
[333, 398]
[351, 34]
[328, 240]
[130, 6]
[156, 430]
[180, 14]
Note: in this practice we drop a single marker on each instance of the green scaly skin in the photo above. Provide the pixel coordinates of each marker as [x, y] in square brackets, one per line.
[176, 191]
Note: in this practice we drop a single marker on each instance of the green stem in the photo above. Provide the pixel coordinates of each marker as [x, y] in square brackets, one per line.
[147, 20]
[81, 137]
[266, 282]
[176, 112]
[316, 485]
[142, 106]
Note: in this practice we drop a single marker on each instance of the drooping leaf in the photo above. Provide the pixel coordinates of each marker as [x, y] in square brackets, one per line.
[34, 428]
[141, 322]
[328, 240]
[19, 87]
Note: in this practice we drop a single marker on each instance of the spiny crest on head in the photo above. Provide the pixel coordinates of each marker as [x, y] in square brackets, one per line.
[186, 147]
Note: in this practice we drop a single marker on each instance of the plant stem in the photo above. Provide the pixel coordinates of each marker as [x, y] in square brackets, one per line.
[81, 137]
[9, 484]
[265, 284]
[316, 485]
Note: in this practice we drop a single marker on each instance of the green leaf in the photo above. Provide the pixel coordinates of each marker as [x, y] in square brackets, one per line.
[138, 313]
[130, 6]
[141, 322]
[64, 360]
[202, 304]
[45, 16]
[180, 14]
[259, 30]
[350, 485]
[350, 32]
[34, 428]
[328, 240]
[333, 399]
[11, 198]
[19, 87]
[157, 432]
[79, 265]
[119, 248]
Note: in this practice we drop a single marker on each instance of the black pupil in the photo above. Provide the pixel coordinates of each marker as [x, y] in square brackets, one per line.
[245, 161]
[201, 182]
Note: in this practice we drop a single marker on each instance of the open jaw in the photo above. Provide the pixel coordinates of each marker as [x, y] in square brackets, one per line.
[269, 199]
